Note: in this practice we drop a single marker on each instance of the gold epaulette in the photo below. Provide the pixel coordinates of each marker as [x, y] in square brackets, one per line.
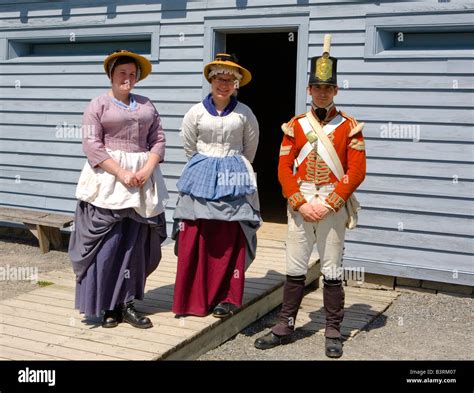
[355, 126]
[287, 128]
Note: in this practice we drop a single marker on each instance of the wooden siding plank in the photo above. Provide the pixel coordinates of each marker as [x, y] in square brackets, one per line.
[407, 66]
[404, 82]
[417, 240]
[348, 23]
[446, 262]
[431, 266]
[418, 186]
[393, 148]
[431, 132]
[61, 148]
[182, 39]
[62, 205]
[37, 188]
[382, 218]
[416, 204]
[443, 99]
[445, 170]
[416, 115]
[66, 163]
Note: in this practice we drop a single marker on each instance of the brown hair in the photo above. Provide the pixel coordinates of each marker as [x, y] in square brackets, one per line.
[124, 60]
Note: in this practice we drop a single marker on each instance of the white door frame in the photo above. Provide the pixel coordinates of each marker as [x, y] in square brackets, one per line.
[215, 29]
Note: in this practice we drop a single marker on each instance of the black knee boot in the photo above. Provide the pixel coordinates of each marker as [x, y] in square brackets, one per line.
[333, 299]
[281, 332]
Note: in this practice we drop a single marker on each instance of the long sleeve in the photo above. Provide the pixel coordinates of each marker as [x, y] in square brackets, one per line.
[251, 135]
[156, 139]
[288, 180]
[189, 133]
[93, 135]
[355, 173]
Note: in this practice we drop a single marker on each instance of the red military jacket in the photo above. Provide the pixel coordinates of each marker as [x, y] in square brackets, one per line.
[351, 152]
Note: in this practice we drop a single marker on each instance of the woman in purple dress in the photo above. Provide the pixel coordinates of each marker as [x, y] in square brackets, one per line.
[119, 220]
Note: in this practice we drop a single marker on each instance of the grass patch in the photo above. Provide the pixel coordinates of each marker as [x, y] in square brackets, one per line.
[44, 283]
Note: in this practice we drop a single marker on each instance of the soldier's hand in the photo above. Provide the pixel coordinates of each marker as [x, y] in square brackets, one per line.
[321, 210]
[308, 212]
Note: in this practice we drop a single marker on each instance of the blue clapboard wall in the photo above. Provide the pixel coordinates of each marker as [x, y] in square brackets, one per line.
[414, 92]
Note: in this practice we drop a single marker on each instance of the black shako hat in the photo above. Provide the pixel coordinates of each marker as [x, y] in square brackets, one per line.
[324, 67]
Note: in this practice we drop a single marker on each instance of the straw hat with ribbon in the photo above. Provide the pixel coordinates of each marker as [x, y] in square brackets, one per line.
[143, 63]
[225, 63]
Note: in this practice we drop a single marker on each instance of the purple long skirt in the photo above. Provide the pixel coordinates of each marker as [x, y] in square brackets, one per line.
[113, 252]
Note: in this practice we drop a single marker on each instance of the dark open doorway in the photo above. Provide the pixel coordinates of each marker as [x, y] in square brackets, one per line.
[271, 58]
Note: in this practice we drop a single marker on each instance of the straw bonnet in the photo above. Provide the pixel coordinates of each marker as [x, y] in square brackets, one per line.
[225, 60]
[142, 62]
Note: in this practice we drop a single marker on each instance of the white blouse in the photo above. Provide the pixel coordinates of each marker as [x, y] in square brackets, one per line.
[236, 133]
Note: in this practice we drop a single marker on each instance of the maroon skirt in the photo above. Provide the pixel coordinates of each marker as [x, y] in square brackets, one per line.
[211, 266]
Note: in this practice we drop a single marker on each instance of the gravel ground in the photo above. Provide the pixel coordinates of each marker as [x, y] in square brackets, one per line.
[417, 326]
[21, 253]
[421, 326]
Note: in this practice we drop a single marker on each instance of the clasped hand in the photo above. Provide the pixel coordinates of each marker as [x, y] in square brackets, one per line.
[313, 211]
[134, 179]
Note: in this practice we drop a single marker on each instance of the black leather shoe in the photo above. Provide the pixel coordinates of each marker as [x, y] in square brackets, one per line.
[271, 340]
[110, 319]
[134, 318]
[333, 347]
[223, 310]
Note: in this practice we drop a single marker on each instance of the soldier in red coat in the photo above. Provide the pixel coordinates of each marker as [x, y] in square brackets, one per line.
[322, 162]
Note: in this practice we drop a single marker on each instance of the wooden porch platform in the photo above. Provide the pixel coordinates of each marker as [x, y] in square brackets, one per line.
[42, 324]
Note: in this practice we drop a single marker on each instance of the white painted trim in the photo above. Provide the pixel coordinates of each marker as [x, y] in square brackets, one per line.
[430, 21]
[89, 31]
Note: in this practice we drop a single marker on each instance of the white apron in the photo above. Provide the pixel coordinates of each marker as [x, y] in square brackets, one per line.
[104, 190]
